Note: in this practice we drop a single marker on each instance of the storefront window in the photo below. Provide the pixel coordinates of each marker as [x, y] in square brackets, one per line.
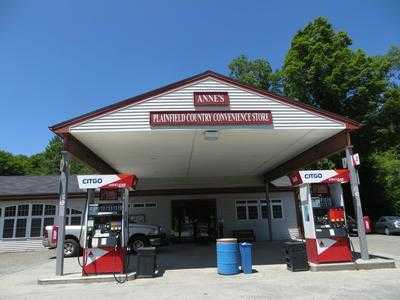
[252, 207]
[37, 209]
[276, 207]
[8, 228]
[10, 211]
[73, 216]
[48, 221]
[50, 210]
[27, 220]
[247, 210]
[264, 209]
[36, 227]
[21, 228]
[241, 212]
[23, 210]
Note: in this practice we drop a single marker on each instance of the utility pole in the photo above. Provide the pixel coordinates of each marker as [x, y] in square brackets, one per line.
[357, 203]
[125, 219]
[63, 191]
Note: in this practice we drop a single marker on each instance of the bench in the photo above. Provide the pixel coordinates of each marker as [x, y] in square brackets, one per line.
[244, 235]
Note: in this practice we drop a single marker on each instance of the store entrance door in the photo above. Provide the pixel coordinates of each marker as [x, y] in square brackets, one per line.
[193, 220]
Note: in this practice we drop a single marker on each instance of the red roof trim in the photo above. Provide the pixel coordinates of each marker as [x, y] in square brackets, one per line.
[63, 127]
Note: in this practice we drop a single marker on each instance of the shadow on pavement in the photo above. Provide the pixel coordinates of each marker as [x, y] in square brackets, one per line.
[191, 256]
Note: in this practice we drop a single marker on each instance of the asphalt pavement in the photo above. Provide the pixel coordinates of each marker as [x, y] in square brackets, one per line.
[20, 271]
[382, 245]
[13, 262]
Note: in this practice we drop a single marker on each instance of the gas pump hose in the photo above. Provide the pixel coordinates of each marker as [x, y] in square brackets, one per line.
[125, 279]
[80, 236]
[352, 249]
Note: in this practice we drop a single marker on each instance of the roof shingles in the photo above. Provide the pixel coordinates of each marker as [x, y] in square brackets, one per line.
[28, 185]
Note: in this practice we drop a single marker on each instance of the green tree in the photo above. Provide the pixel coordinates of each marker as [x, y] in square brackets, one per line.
[393, 56]
[13, 165]
[43, 163]
[257, 72]
[51, 156]
[387, 168]
[321, 69]
[383, 127]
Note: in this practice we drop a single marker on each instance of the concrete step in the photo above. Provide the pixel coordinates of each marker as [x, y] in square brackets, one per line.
[359, 264]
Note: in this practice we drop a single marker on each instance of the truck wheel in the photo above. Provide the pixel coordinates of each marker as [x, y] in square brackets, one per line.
[387, 231]
[71, 248]
[138, 242]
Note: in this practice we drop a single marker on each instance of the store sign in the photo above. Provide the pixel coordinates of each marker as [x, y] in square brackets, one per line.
[320, 176]
[210, 118]
[115, 181]
[211, 99]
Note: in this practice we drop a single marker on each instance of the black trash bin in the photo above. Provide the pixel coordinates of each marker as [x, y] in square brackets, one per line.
[295, 256]
[146, 262]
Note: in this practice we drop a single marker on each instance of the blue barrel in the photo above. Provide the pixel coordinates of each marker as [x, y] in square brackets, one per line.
[228, 256]
[247, 257]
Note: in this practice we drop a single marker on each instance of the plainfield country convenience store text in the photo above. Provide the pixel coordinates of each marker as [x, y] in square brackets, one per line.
[211, 118]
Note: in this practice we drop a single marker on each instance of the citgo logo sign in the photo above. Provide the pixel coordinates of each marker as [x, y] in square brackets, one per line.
[92, 180]
[96, 181]
[313, 175]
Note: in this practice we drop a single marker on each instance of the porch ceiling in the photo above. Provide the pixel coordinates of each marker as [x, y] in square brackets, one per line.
[186, 153]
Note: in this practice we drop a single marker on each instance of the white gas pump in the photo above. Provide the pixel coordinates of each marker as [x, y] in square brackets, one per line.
[323, 213]
[106, 223]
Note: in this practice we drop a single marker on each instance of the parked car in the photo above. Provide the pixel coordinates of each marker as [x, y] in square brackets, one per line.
[140, 235]
[388, 225]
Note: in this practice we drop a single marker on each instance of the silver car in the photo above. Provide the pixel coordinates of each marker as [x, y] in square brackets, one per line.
[388, 225]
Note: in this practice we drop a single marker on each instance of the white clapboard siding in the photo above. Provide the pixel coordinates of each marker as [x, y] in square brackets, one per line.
[136, 116]
[20, 245]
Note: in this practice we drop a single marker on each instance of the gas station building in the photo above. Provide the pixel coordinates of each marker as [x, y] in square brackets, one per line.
[209, 149]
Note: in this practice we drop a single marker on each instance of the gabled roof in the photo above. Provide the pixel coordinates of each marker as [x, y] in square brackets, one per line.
[28, 185]
[64, 126]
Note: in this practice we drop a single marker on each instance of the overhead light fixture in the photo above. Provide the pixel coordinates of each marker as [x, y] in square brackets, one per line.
[211, 135]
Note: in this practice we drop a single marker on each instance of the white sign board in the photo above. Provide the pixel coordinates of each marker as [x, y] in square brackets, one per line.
[106, 181]
[319, 176]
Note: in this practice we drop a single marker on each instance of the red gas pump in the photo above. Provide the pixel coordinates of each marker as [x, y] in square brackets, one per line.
[106, 223]
[323, 213]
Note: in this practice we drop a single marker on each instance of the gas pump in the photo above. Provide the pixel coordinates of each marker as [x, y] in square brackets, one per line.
[106, 224]
[323, 213]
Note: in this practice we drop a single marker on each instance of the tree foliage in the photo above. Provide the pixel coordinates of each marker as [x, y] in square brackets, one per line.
[387, 168]
[257, 72]
[384, 125]
[321, 69]
[44, 163]
[13, 165]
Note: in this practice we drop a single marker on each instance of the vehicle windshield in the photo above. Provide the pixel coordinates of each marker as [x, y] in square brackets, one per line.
[393, 218]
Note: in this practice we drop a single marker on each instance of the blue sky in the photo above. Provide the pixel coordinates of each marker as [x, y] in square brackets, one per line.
[60, 59]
